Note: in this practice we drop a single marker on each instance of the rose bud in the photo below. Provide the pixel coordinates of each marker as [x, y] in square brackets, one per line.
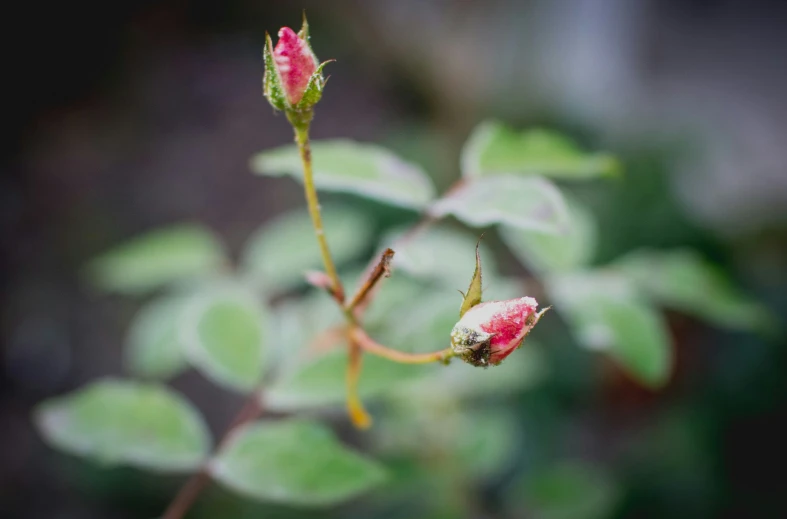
[488, 332]
[293, 79]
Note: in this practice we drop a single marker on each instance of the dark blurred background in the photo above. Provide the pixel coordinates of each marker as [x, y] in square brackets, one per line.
[126, 115]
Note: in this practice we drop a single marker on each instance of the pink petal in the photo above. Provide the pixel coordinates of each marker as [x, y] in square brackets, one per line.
[295, 62]
[509, 321]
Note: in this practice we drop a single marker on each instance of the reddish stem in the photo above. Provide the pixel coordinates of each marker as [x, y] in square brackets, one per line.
[193, 487]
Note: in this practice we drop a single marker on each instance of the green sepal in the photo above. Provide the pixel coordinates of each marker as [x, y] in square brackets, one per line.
[304, 32]
[314, 87]
[271, 81]
[473, 295]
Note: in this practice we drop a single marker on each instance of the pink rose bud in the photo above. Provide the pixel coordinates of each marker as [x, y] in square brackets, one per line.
[293, 79]
[488, 332]
[295, 62]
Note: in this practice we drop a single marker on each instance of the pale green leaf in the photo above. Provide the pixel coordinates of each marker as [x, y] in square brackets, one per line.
[422, 325]
[419, 326]
[417, 428]
[532, 203]
[640, 340]
[495, 149]
[606, 315]
[321, 381]
[224, 335]
[297, 322]
[548, 252]
[127, 423]
[398, 291]
[158, 258]
[353, 167]
[490, 436]
[294, 462]
[439, 254]
[280, 252]
[567, 491]
[153, 345]
[683, 280]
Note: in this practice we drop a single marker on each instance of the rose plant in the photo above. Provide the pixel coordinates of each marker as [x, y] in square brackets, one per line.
[255, 329]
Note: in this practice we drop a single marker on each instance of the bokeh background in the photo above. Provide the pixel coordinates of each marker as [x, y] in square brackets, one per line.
[130, 115]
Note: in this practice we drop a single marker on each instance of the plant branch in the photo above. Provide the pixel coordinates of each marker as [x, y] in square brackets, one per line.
[358, 340]
[370, 345]
[381, 269]
[358, 414]
[302, 139]
[193, 487]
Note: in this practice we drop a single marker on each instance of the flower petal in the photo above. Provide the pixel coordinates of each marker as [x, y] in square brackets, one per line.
[295, 62]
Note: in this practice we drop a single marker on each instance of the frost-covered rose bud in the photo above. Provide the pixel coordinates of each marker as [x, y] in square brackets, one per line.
[295, 62]
[488, 332]
[293, 79]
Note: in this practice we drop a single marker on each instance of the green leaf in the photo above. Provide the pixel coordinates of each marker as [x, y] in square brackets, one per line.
[157, 258]
[153, 345]
[279, 253]
[417, 429]
[398, 291]
[639, 340]
[352, 167]
[546, 252]
[440, 254]
[421, 325]
[495, 149]
[295, 462]
[297, 322]
[568, 491]
[224, 334]
[321, 381]
[490, 438]
[606, 315]
[684, 281]
[473, 295]
[532, 203]
[127, 423]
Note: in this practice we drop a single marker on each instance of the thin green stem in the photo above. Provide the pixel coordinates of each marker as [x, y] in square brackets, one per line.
[358, 340]
[371, 346]
[360, 418]
[302, 139]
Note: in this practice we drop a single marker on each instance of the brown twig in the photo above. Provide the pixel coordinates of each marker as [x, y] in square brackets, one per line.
[380, 270]
[193, 487]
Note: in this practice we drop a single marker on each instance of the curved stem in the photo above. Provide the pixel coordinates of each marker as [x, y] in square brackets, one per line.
[355, 409]
[302, 139]
[193, 487]
[373, 347]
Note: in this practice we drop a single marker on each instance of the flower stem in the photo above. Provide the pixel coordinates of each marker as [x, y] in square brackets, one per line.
[360, 418]
[357, 338]
[370, 345]
[302, 139]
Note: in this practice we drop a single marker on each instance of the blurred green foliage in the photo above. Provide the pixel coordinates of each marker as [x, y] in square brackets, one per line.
[448, 441]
